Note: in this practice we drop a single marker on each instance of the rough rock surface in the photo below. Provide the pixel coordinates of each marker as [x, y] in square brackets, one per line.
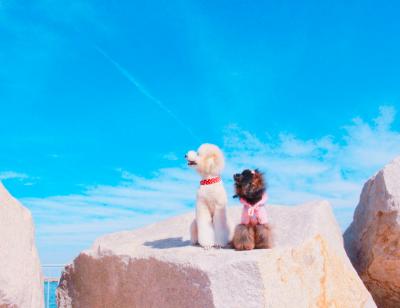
[373, 239]
[21, 282]
[156, 267]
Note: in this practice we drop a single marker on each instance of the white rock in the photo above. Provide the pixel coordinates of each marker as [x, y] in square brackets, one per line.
[156, 267]
[373, 239]
[21, 282]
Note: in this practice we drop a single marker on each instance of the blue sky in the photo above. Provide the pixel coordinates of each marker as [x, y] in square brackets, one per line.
[100, 101]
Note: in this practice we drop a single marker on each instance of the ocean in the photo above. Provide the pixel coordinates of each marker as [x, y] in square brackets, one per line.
[50, 288]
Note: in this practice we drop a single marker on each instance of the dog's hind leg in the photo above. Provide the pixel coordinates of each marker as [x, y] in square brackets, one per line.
[243, 239]
[263, 236]
[194, 238]
[221, 227]
[205, 228]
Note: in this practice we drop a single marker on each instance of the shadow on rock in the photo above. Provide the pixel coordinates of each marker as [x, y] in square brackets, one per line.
[165, 243]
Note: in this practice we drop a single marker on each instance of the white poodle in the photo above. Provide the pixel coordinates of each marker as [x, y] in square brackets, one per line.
[210, 227]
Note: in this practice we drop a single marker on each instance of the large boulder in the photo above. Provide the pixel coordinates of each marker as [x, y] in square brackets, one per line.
[21, 283]
[157, 267]
[373, 239]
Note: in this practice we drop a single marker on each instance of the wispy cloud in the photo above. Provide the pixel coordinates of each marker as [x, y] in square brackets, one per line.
[331, 167]
[7, 175]
[170, 156]
[76, 220]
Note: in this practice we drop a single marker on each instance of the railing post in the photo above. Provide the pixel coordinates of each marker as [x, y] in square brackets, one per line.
[48, 294]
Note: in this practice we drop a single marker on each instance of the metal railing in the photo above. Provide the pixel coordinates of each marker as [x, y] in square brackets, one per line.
[51, 273]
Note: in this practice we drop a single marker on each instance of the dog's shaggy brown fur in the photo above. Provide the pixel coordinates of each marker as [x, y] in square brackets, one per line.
[262, 236]
[244, 237]
[250, 185]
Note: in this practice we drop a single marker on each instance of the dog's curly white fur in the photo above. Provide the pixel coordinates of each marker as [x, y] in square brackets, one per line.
[210, 227]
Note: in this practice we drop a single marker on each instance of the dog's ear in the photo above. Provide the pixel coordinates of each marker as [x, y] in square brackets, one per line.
[258, 180]
[237, 177]
[210, 163]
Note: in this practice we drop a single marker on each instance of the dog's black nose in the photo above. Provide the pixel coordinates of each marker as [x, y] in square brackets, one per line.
[236, 176]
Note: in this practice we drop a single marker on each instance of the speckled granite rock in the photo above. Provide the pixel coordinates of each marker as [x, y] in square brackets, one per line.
[156, 267]
[21, 282]
[373, 239]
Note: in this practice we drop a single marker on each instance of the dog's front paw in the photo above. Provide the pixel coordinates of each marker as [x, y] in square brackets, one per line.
[206, 243]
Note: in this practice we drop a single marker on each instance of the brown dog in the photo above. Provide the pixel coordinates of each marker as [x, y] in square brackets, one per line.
[253, 232]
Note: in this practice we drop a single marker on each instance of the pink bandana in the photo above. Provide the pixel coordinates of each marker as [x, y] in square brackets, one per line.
[254, 213]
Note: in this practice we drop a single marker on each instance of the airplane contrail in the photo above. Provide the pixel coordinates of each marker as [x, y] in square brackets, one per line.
[143, 90]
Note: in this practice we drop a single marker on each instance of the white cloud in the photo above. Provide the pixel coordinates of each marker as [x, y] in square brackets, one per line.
[7, 175]
[78, 219]
[326, 168]
[171, 156]
[330, 167]
[370, 145]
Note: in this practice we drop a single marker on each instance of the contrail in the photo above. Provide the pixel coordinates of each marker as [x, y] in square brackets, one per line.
[143, 90]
